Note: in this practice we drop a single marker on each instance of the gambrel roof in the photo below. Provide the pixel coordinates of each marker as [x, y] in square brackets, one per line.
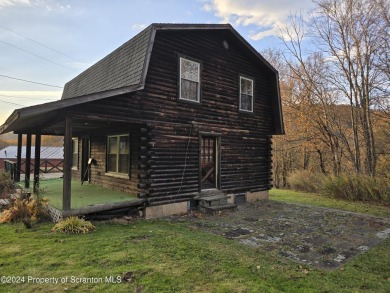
[124, 71]
[121, 68]
[128, 65]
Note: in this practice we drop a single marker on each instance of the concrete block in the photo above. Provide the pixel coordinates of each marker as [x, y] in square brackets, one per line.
[166, 210]
[258, 195]
[231, 199]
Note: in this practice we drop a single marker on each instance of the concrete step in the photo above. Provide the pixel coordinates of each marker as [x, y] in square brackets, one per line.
[214, 197]
[210, 192]
[215, 200]
[213, 210]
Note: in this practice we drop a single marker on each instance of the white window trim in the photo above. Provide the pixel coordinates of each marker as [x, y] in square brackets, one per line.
[116, 173]
[198, 91]
[239, 106]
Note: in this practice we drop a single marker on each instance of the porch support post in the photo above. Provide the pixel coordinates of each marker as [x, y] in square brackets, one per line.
[28, 162]
[37, 162]
[18, 158]
[66, 196]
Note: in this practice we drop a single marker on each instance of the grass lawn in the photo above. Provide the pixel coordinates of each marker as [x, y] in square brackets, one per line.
[171, 257]
[318, 200]
[82, 195]
[167, 256]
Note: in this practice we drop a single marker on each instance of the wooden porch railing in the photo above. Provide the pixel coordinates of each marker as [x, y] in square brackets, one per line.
[10, 167]
[45, 167]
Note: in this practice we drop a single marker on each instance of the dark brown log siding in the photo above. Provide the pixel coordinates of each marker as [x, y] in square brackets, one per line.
[98, 170]
[172, 172]
[245, 143]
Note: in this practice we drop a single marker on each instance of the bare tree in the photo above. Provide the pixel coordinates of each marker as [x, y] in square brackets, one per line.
[351, 65]
[311, 95]
[352, 33]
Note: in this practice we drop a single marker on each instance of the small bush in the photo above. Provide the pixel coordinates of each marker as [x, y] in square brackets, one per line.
[305, 181]
[6, 184]
[73, 225]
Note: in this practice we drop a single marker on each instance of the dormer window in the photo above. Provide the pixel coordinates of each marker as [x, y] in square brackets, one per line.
[246, 94]
[189, 80]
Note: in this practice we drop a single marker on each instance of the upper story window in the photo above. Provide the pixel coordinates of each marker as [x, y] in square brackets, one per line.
[189, 80]
[246, 94]
[118, 159]
[75, 153]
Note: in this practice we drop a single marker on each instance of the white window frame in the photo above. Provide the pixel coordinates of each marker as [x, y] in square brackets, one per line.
[75, 150]
[180, 81]
[252, 95]
[117, 154]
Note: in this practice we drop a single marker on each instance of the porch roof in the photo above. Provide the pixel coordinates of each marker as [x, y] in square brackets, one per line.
[44, 117]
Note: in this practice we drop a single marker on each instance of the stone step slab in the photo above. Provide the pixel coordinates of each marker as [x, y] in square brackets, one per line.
[213, 210]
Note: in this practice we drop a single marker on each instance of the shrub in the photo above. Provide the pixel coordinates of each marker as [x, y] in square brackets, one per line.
[26, 210]
[73, 225]
[346, 186]
[6, 183]
[357, 187]
[305, 181]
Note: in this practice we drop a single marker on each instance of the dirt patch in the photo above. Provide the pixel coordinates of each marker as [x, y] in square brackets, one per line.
[320, 237]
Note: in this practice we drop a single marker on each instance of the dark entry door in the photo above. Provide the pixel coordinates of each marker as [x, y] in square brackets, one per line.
[209, 166]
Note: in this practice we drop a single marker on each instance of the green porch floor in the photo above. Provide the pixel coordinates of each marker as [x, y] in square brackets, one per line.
[81, 195]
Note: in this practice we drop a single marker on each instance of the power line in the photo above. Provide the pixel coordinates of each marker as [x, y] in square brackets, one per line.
[10, 103]
[31, 81]
[39, 43]
[35, 55]
[31, 98]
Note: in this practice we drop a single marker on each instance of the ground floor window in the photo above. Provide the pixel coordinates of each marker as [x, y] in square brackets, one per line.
[118, 154]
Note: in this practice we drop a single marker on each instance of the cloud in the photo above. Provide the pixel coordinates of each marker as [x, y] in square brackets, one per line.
[5, 3]
[48, 5]
[38, 95]
[138, 27]
[266, 15]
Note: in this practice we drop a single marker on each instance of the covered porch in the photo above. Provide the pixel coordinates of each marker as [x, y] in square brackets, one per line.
[76, 118]
[82, 195]
[87, 199]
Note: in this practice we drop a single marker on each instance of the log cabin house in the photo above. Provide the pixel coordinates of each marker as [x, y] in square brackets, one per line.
[178, 112]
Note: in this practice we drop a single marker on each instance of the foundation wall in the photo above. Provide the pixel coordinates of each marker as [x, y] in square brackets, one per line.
[254, 196]
[166, 210]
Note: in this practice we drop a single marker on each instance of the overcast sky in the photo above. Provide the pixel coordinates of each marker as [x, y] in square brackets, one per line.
[50, 42]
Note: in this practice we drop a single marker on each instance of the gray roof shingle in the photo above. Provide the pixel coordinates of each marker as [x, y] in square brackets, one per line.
[121, 68]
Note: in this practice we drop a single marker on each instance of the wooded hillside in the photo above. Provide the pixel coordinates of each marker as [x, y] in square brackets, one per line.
[334, 75]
